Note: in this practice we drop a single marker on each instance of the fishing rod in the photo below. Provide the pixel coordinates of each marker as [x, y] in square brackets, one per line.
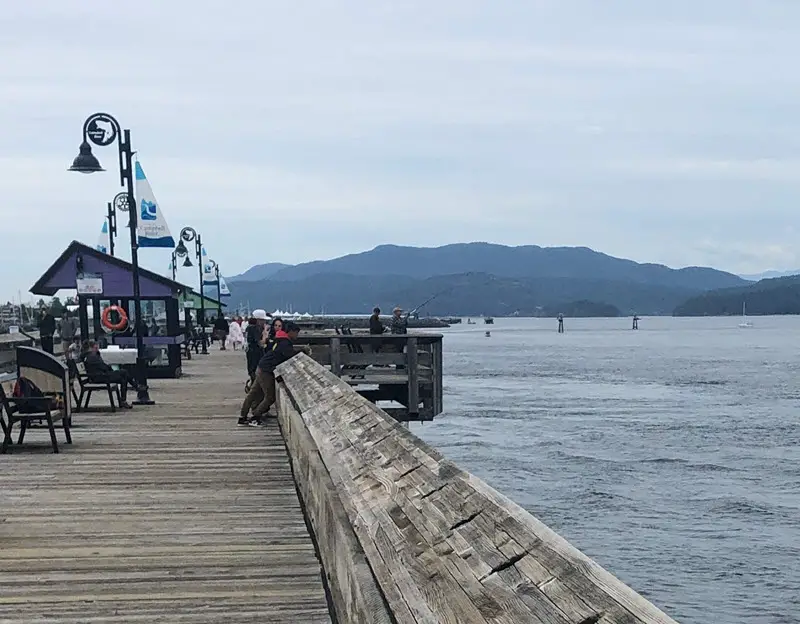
[438, 294]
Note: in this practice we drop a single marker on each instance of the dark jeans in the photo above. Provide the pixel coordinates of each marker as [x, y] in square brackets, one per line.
[253, 356]
[47, 343]
[118, 377]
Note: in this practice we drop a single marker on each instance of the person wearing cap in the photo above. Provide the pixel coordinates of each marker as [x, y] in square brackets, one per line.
[399, 322]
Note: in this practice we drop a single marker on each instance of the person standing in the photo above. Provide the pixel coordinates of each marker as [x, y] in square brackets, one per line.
[376, 328]
[47, 329]
[262, 392]
[67, 328]
[375, 325]
[221, 329]
[399, 322]
[254, 337]
[235, 335]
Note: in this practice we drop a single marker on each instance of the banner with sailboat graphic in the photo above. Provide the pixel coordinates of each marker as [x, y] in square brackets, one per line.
[224, 291]
[103, 242]
[152, 230]
[209, 278]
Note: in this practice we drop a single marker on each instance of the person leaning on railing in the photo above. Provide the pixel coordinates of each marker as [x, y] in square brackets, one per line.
[262, 391]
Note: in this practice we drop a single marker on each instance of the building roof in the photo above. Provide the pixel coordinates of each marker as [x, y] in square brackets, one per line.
[117, 275]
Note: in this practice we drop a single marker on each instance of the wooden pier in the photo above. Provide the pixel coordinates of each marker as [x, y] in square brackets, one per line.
[337, 512]
[164, 514]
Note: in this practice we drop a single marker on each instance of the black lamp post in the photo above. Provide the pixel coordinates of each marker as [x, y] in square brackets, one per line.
[188, 235]
[215, 266]
[120, 203]
[174, 264]
[103, 130]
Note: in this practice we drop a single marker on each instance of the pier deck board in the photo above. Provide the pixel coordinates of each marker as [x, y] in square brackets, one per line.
[168, 513]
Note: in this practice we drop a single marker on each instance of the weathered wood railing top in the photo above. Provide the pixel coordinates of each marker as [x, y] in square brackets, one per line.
[406, 536]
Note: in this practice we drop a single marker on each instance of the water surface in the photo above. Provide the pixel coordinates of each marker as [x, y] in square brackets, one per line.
[670, 455]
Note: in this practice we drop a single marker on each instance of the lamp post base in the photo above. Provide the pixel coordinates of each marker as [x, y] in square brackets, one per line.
[142, 391]
[143, 397]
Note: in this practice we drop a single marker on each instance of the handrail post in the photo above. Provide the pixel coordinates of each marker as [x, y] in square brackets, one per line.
[436, 370]
[412, 366]
[336, 356]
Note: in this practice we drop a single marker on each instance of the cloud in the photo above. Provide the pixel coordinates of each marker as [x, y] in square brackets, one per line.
[294, 131]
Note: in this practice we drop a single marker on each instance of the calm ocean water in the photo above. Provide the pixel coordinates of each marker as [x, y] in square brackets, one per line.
[670, 455]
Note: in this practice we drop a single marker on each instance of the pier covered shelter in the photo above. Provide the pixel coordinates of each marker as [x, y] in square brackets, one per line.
[101, 280]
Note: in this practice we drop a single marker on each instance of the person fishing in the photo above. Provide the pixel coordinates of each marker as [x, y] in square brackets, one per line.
[399, 324]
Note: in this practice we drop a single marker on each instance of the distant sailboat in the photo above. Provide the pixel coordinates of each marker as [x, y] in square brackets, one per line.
[745, 322]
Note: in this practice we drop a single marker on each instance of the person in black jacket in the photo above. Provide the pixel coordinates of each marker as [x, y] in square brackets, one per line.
[100, 372]
[47, 329]
[221, 329]
[262, 390]
[376, 328]
[375, 325]
[254, 340]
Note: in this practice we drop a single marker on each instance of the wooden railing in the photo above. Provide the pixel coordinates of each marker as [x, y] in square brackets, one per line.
[406, 536]
[405, 369]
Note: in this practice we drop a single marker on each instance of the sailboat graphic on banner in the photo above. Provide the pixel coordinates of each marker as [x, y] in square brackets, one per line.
[102, 240]
[224, 291]
[208, 272]
[152, 230]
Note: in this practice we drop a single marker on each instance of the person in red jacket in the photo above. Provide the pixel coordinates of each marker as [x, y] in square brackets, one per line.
[262, 390]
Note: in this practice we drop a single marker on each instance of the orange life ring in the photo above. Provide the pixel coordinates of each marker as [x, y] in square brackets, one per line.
[105, 318]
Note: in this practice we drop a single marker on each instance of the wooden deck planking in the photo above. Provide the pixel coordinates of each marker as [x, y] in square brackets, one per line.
[168, 513]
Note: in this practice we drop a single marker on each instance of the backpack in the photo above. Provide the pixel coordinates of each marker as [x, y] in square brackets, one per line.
[25, 388]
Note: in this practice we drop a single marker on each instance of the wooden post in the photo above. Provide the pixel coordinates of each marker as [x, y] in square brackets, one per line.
[97, 327]
[336, 356]
[412, 364]
[83, 317]
[436, 372]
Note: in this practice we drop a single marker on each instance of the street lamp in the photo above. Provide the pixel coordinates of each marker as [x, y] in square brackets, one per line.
[120, 203]
[215, 266]
[188, 235]
[102, 129]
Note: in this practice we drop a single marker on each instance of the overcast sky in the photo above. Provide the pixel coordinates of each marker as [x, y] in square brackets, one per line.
[290, 131]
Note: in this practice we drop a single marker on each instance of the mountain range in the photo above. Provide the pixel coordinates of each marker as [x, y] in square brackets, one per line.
[769, 296]
[757, 277]
[474, 279]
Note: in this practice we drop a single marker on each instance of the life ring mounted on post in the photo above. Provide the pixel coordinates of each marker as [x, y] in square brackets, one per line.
[105, 318]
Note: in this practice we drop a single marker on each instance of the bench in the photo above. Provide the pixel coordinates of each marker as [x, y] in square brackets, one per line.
[87, 387]
[51, 376]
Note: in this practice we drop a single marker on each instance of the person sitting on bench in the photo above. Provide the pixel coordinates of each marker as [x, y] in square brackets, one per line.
[100, 372]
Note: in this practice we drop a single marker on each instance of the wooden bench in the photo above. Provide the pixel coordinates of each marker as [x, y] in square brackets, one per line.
[78, 373]
[50, 375]
[440, 545]
[30, 413]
